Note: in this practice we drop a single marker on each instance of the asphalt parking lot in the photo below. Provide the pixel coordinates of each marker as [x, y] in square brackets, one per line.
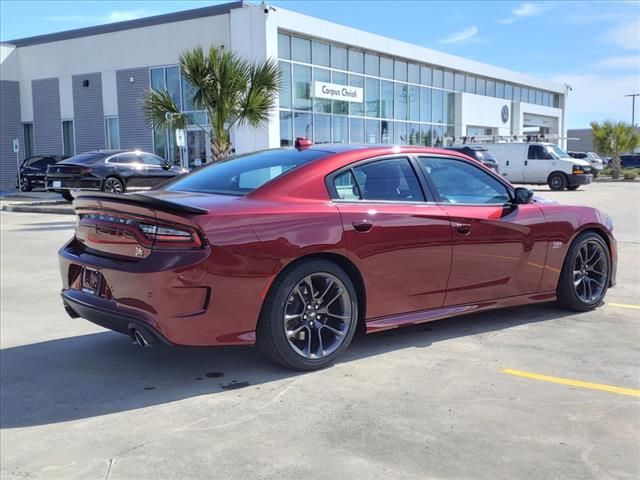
[431, 401]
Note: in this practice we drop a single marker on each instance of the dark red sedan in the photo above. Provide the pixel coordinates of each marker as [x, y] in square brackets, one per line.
[296, 249]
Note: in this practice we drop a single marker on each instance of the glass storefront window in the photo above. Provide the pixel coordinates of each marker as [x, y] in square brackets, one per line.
[425, 135]
[437, 101]
[438, 78]
[372, 64]
[458, 82]
[400, 101]
[516, 93]
[285, 86]
[188, 91]
[508, 91]
[112, 133]
[354, 107]
[538, 97]
[499, 90]
[372, 97]
[491, 88]
[322, 129]
[386, 131]
[27, 132]
[68, 138]
[356, 130]
[437, 134]
[414, 103]
[356, 61]
[157, 79]
[160, 143]
[532, 96]
[300, 49]
[386, 99]
[302, 125]
[524, 95]
[340, 107]
[386, 67]
[372, 131]
[413, 134]
[320, 54]
[448, 81]
[400, 70]
[286, 129]
[481, 85]
[449, 107]
[400, 133]
[302, 87]
[340, 129]
[320, 104]
[425, 104]
[470, 84]
[173, 84]
[425, 75]
[338, 57]
[556, 101]
[413, 75]
[284, 46]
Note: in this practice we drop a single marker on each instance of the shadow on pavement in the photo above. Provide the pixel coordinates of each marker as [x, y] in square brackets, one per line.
[102, 373]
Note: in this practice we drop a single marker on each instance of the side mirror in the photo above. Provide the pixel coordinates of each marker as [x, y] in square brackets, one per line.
[166, 166]
[522, 196]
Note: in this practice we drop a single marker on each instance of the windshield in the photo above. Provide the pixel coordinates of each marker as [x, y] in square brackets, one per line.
[243, 174]
[595, 155]
[556, 151]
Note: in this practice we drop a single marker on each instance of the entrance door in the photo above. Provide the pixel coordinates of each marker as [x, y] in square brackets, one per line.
[198, 148]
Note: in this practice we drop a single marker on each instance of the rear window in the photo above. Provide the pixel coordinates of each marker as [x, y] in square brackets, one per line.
[243, 174]
[84, 158]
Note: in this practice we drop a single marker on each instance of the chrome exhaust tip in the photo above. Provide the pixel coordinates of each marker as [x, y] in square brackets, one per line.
[138, 339]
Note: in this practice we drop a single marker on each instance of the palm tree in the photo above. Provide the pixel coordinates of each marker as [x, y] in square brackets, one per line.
[232, 90]
[612, 139]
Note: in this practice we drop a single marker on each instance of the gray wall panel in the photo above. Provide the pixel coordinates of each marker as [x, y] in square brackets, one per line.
[10, 128]
[47, 124]
[134, 132]
[88, 113]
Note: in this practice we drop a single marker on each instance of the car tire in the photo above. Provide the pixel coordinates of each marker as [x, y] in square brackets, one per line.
[113, 185]
[573, 188]
[588, 261]
[557, 181]
[24, 185]
[67, 196]
[293, 331]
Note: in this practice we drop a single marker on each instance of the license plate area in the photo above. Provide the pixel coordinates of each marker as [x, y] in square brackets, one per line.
[91, 281]
[57, 184]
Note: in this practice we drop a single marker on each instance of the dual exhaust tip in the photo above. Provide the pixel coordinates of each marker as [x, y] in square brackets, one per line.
[141, 339]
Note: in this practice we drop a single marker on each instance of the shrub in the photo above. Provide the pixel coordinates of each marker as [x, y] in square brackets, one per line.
[631, 175]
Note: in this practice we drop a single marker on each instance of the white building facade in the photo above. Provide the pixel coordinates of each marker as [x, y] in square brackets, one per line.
[74, 91]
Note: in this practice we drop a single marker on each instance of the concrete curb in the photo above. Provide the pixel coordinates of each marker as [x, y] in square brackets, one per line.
[38, 209]
[611, 180]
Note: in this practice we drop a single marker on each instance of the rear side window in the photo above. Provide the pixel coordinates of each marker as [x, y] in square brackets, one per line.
[127, 158]
[243, 174]
[84, 158]
[457, 181]
[386, 180]
[538, 152]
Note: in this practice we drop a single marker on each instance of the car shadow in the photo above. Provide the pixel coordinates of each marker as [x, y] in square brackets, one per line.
[103, 373]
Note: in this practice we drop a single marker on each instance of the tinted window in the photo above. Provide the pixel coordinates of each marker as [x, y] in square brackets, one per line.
[240, 175]
[346, 187]
[392, 180]
[128, 158]
[538, 152]
[41, 163]
[85, 158]
[152, 160]
[457, 181]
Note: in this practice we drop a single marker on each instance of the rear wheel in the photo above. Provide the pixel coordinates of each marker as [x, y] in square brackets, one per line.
[557, 181]
[309, 317]
[113, 185]
[24, 184]
[67, 196]
[573, 187]
[585, 274]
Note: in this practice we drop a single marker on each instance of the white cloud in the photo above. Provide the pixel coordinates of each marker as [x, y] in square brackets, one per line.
[598, 97]
[526, 9]
[629, 62]
[114, 16]
[461, 36]
[626, 35]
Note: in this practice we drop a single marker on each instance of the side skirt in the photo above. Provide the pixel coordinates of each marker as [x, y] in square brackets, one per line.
[422, 316]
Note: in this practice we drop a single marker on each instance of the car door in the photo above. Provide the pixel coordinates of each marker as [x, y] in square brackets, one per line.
[128, 166]
[499, 249]
[539, 164]
[400, 243]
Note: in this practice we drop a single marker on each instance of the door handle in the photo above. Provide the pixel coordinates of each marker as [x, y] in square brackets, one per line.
[362, 226]
[462, 228]
[526, 162]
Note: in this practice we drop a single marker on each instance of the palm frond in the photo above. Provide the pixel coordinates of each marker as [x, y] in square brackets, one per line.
[161, 111]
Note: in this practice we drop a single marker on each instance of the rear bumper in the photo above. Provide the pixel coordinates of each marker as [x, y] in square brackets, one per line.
[105, 314]
[72, 183]
[580, 179]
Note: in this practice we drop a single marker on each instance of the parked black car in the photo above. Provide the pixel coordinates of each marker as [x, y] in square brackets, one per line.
[33, 170]
[114, 171]
[631, 160]
[477, 152]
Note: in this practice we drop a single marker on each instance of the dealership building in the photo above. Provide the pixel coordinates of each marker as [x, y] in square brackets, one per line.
[80, 90]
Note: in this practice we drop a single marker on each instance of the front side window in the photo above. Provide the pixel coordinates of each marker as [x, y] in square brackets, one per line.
[152, 160]
[538, 152]
[383, 180]
[459, 182]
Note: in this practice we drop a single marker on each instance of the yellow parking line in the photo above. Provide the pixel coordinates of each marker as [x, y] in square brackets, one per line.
[624, 305]
[573, 383]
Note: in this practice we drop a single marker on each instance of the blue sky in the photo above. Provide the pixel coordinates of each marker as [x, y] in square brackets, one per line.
[593, 46]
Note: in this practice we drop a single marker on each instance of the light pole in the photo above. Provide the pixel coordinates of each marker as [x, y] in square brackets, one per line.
[633, 107]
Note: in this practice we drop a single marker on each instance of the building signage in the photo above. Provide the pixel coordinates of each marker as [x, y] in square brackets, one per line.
[16, 145]
[180, 141]
[331, 91]
[505, 114]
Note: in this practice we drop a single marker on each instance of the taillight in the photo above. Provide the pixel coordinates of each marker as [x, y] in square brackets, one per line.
[165, 236]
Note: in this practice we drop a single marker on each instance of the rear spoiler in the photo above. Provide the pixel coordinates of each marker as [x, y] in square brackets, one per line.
[143, 200]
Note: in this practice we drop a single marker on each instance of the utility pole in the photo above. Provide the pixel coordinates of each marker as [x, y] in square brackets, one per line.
[633, 107]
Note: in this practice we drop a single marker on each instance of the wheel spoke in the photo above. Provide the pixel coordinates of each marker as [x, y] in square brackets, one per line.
[338, 295]
[309, 284]
[335, 331]
[326, 290]
[341, 317]
[295, 331]
[320, 345]
[288, 317]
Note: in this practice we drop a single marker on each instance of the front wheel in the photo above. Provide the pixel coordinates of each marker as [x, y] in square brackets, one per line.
[24, 184]
[557, 181]
[586, 273]
[309, 317]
